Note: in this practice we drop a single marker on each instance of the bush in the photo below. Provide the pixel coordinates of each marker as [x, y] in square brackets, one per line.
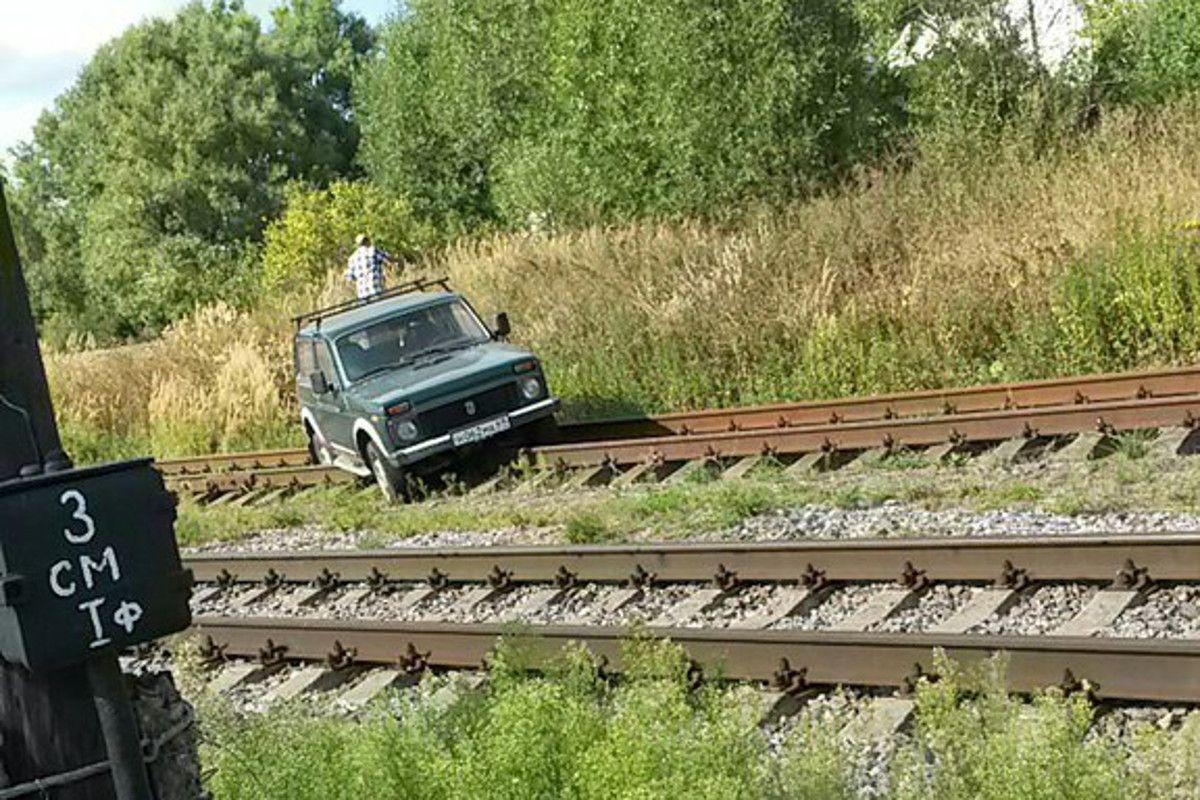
[1145, 53]
[563, 733]
[520, 110]
[315, 233]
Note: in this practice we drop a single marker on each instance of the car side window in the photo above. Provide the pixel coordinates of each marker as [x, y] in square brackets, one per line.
[306, 362]
[325, 364]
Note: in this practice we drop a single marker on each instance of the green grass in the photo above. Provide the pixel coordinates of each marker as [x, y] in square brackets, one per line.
[565, 733]
[688, 508]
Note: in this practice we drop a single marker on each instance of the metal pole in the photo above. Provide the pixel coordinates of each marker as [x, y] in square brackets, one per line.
[44, 718]
[119, 727]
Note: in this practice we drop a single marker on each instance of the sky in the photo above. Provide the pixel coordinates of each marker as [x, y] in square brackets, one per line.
[45, 44]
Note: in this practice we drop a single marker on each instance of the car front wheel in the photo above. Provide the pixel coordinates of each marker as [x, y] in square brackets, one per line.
[387, 477]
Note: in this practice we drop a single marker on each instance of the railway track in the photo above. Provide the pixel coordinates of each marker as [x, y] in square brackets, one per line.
[310, 607]
[816, 433]
[792, 661]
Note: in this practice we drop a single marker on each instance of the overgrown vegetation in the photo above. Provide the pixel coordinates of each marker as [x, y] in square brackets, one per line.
[921, 279]
[679, 205]
[568, 734]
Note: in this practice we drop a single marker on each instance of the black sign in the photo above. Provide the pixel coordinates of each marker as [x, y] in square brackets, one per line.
[88, 561]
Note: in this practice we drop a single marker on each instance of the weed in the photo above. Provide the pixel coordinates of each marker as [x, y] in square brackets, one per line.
[1133, 444]
[586, 528]
[561, 732]
[1018, 493]
[904, 459]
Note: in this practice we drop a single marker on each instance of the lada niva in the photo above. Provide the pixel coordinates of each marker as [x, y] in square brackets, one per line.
[411, 381]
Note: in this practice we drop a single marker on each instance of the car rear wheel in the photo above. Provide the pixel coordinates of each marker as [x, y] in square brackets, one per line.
[318, 451]
[387, 477]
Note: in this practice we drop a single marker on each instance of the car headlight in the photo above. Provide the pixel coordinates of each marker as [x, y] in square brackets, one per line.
[407, 431]
[531, 388]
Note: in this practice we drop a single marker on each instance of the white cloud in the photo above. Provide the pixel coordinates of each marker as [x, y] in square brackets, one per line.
[16, 122]
[73, 26]
[43, 47]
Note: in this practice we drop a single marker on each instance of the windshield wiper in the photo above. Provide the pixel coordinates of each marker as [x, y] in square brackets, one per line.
[446, 348]
[404, 362]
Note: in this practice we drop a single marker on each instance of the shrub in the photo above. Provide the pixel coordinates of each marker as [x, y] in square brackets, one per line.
[315, 233]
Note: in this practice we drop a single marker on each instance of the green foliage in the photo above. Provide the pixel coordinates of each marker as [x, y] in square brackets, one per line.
[997, 747]
[1144, 52]
[523, 737]
[1134, 302]
[562, 733]
[586, 529]
[971, 78]
[566, 111]
[149, 183]
[315, 233]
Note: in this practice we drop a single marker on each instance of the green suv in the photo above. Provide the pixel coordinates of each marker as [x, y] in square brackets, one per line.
[411, 381]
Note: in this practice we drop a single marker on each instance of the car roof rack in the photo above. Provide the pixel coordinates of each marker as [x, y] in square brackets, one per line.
[419, 285]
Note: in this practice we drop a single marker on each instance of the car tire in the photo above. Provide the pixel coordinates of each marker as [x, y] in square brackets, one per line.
[387, 477]
[319, 452]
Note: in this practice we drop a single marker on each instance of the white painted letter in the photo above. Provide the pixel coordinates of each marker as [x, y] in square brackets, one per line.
[107, 560]
[89, 525]
[55, 585]
[90, 606]
[128, 615]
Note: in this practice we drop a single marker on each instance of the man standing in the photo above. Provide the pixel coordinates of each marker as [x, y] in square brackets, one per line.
[365, 267]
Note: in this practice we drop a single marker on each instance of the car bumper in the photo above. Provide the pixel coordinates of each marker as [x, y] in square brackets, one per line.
[441, 444]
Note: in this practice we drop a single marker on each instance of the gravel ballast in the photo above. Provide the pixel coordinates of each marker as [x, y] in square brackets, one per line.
[891, 519]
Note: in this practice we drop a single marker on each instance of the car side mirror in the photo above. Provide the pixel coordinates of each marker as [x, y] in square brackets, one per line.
[319, 382]
[500, 326]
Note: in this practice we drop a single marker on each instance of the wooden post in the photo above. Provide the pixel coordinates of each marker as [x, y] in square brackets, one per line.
[48, 721]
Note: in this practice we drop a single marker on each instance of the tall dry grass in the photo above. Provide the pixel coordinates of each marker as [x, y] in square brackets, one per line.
[218, 380]
[1015, 268]
[925, 278]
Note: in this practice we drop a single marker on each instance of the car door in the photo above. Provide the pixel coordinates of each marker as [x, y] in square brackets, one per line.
[329, 408]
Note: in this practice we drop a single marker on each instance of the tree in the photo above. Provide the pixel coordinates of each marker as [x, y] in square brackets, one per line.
[150, 181]
[1144, 53]
[967, 73]
[316, 231]
[486, 111]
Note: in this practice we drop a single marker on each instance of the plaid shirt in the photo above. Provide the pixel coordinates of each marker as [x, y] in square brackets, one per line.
[365, 268]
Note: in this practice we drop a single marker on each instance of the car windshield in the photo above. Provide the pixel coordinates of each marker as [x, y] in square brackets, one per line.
[405, 338]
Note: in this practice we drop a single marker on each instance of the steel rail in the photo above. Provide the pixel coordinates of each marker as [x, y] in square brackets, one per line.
[277, 478]
[1126, 415]
[931, 403]
[1138, 670]
[1166, 557]
[230, 462]
[927, 403]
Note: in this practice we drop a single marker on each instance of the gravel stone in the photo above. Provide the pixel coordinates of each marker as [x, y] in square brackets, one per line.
[936, 605]
[890, 519]
[839, 605]
[893, 519]
[313, 537]
[1040, 612]
[736, 607]
[1171, 612]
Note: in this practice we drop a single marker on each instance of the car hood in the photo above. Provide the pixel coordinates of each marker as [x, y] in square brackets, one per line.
[446, 375]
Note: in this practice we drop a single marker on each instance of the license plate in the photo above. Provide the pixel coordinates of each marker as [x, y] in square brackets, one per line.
[480, 432]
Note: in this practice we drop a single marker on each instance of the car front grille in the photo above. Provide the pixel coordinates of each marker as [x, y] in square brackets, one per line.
[452, 416]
